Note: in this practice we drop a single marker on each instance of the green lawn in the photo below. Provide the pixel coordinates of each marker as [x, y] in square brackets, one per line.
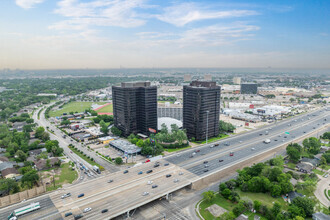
[213, 139]
[264, 198]
[220, 201]
[327, 167]
[73, 107]
[177, 149]
[291, 165]
[318, 172]
[251, 215]
[67, 176]
[106, 109]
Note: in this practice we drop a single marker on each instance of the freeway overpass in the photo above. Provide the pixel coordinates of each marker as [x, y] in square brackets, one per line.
[125, 192]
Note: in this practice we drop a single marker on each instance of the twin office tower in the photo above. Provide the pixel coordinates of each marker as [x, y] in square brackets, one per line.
[135, 108]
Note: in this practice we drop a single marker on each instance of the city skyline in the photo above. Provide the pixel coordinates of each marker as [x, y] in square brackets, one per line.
[46, 34]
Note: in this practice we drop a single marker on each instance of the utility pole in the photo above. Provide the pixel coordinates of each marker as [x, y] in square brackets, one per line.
[207, 124]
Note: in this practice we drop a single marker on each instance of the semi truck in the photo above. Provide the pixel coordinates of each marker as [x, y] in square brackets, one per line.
[21, 211]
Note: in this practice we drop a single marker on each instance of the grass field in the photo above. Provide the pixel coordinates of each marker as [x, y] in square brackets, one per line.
[220, 201]
[84, 157]
[73, 107]
[213, 139]
[318, 172]
[291, 165]
[178, 149]
[67, 176]
[106, 109]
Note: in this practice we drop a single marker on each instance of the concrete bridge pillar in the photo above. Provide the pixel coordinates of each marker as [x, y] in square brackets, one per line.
[127, 214]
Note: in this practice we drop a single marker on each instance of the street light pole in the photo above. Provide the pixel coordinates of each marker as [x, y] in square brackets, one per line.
[207, 124]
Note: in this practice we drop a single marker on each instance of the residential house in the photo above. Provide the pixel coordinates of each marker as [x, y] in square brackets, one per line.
[242, 217]
[5, 165]
[18, 126]
[4, 159]
[304, 167]
[9, 173]
[292, 195]
[42, 163]
[256, 217]
[320, 216]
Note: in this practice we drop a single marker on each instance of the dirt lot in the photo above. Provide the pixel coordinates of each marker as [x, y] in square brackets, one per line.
[240, 125]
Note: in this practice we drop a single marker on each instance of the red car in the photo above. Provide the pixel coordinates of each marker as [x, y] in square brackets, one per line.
[147, 161]
[231, 154]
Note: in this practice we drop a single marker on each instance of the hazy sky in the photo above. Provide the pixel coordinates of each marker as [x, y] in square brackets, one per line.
[41, 34]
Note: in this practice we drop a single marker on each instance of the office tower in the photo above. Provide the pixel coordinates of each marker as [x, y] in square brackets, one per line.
[201, 107]
[135, 107]
[208, 77]
[237, 80]
[249, 88]
[187, 78]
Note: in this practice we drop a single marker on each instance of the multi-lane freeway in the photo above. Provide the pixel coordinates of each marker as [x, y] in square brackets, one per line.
[126, 191]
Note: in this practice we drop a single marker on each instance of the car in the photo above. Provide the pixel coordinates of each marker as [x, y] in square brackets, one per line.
[149, 171]
[197, 151]
[205, 162]
[88, 175]
[216, 145]
[85, 172]
[70, 151]
[150, 182]
[154, 186]
[227, 144]
[81, 178]
[252, 148]
[260, 134]
[285, 136]
[156, 165]
[194, 153]
[68, 214]
[126, 171]
[211, 146]
[87, 209]
[104, 211]
[110, 181]
[181, 173]
[175, 180]
[66, 195]
[206, 170]
[191, 156]
[145, 193]
[231, 154]
[206, 165]
[326, 176]
[280, 136]
[78, 216]
[81, 195]
[275, 139]
[139, 173]
[314, 127]
[220, 160]
[166, 164]
[168, 175]
[147, 161]
[81, 168]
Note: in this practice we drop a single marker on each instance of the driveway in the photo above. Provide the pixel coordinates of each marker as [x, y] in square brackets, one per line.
[319, 192]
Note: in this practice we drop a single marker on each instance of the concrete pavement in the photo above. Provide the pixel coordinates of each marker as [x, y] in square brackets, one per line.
[322, 185]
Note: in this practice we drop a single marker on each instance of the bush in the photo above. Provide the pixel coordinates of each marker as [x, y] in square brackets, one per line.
[118, 160]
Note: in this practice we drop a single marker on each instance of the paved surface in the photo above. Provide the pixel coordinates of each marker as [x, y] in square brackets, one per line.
[322, 185]
[125, 192]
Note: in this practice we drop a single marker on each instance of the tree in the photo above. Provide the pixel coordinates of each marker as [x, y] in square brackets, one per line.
[27, 128]
[48, 163]
[227, 216]
[30, 178]
[65, 122]
[276, 190]
[226, 193]
[277, 161]
[104, 127]
[29, 121]
[296, 211]
[312, 145]
[115, 131]
[294, 154]
[24, 170]
[208, 195]
[292, 100]
[256, 205]
[305, 204]
[140, 143]
[45, 136]
[21, 156]
[225, 127]
[39, 132]
[326, 135]
[239, 208]
[276, 208]
[118, 160]
[222, 187]
[9, 186]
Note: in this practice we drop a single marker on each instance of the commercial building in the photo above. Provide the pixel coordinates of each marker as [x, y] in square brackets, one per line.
[237, 80]
[125, 146]
[249, 88]
[201, 107]
[135, 107]
[208, 77]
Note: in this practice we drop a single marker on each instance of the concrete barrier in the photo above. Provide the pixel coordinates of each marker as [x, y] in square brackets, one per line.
[226, 172]
[18, 197]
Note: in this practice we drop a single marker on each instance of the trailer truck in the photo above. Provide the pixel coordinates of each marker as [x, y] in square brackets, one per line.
[21, 211]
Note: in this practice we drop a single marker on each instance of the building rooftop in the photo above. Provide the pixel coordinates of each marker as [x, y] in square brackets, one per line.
[8, 171]
[168, 122]
[125, 146]
[207, 84]
[135, 84]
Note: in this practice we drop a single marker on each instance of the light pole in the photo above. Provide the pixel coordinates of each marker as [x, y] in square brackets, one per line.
[207, 124]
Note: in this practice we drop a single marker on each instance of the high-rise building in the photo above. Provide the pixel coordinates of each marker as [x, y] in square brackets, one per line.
[201, 107]
[187, 78]
[208, 77]
[237, 80]
[135, 107]
[249, 88]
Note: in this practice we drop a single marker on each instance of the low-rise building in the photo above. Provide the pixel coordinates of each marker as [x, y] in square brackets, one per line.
[292, 195]
[304, 167]
[42, 163]
[105, 140]
[9, 173]
[125, 146]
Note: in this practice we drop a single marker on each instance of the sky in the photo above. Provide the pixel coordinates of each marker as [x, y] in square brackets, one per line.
[65, 34]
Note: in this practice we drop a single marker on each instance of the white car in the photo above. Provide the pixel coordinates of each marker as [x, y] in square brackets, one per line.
[87, 209]
[252, 148]
[175, 180]
[145, 194]
[66, 195]
[81, 178]
[181, 173]
[150, 182]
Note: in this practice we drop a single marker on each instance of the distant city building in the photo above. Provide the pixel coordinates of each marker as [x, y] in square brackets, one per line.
[237, 80]
[187, 78]
[201, 107]
[208, 77]
[135, 107]
[249, 88]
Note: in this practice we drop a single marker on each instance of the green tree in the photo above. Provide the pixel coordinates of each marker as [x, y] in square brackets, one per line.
[140, 143]
[226, 193]
[21, 156]
[30, 178]
[305, 204]
[296, 211]
[27, 128]
[312, 145]
[256, 205]
[276, 208]
[226, 127]
[293, 153]
[208, 195]
[115, 131]
[118, 160]
[276, 190]
[277, 161]
[326, 135]
[39, 132]
[9, 186]
[24, 170]
[48, 163]
[227, 216]
[104, 127]
[239, 209]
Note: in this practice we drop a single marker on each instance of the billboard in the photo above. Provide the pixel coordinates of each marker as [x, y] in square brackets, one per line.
[152, 130]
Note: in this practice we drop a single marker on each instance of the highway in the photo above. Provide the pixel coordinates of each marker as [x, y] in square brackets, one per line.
[125, 192]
